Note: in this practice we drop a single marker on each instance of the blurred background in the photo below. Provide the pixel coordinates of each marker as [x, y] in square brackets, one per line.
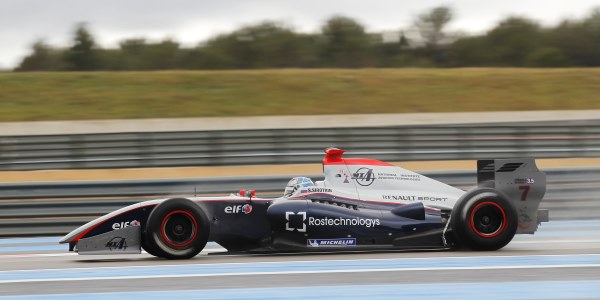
[195, 35]
[108, 103]
[325, 58]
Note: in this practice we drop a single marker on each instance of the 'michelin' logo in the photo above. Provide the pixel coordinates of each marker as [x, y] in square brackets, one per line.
[364, 176]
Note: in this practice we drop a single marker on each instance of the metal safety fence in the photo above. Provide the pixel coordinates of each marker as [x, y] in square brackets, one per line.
[287, 146]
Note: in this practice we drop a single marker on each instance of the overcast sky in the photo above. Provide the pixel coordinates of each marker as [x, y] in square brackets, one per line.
[190, 21]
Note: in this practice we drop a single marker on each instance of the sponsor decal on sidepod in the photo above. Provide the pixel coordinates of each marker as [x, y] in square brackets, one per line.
[312, 221]
[289, 227]
[343, 222]
[344, 242]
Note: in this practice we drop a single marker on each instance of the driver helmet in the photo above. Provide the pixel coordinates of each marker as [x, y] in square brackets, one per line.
[296, 184]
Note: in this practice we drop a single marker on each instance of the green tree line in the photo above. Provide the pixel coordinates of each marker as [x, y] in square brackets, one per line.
[342, 42]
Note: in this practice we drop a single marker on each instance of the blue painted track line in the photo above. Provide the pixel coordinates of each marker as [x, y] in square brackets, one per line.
[289, 267]
[533, 290]
[34, 248]
[34, 240]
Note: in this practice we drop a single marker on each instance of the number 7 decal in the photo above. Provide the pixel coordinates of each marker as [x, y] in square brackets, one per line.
[525, 189]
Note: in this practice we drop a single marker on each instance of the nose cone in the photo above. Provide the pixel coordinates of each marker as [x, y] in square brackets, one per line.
[65, 239]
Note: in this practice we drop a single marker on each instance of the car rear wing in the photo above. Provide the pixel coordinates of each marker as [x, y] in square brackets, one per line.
[522, 182]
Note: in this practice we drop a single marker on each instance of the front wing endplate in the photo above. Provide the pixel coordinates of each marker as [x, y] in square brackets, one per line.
[121, 241]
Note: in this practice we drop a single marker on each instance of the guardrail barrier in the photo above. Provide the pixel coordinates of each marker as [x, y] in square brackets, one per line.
[286, 146]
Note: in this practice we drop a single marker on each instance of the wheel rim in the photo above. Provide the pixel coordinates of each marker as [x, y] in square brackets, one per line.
[488, 219]
[178, 228]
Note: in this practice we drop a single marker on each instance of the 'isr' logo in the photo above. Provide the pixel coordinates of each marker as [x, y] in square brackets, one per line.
[116, 243]
[364, 176]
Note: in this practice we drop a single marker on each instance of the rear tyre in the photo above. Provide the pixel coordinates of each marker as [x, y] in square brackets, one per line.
[484, 219]
[176, 229]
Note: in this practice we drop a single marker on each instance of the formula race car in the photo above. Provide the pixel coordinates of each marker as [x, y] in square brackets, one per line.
[362, 204]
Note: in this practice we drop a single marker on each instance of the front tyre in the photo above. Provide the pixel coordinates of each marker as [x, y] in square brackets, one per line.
[484, 219]
[176, 229]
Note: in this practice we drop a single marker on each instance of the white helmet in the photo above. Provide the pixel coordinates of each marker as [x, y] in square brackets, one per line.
[295, 185]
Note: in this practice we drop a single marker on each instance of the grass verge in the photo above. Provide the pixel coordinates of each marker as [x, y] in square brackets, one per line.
[171, 94]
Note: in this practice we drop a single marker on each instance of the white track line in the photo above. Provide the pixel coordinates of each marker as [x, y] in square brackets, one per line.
[302, 272]
[310, 261]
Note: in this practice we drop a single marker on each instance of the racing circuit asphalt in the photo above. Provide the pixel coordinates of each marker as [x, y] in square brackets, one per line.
[562, 261]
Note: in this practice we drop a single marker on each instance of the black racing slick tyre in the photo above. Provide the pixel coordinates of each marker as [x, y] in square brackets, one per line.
[176, 229]
[484, 219]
